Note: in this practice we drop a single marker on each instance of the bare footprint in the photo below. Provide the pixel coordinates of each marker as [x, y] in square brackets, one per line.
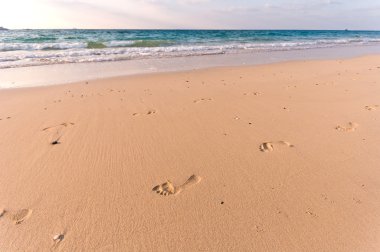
[351, 126]
[311, 213]
[57, 131]
[371, 108]
[57, 239]
[149, 112]
[259, 229]
[270, 146]
[168, 188]
[19, 216]
[202, 100]
[252, 93]
[65, 124]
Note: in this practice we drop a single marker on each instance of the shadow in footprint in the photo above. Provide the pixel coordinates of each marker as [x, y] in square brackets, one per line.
[151, 112]
[55, 142]
[2, 212]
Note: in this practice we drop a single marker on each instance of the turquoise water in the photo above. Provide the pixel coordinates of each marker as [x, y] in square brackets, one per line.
[20, 48]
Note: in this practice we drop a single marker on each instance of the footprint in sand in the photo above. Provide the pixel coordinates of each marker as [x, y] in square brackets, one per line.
[57, 239]
[17, 217]
[57, 131]
[149, 112]
[350, 127]
[202, 100]
[259, 229]
[357, 201]
[371, 108]
[59, 126]
[309, 212]
[270, 146]
[252, 93]
[291, 86]
[168, 188]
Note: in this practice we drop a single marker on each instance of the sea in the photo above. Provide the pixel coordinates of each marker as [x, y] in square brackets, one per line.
[23, 48]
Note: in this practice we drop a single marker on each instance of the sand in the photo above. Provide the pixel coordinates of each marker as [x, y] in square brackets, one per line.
[279, 157]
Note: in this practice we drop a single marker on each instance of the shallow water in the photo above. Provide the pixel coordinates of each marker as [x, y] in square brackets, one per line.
[20, 48]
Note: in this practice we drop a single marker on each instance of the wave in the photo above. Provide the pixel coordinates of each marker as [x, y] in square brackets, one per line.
[4, 47]
[165, 43]
[151, 43]
[95, 45]
[89, 45]
[30, 54]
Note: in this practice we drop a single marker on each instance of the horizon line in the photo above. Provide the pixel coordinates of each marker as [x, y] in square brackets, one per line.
[190, 29]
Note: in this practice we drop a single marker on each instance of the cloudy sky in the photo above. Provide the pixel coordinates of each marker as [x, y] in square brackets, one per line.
[191, 14]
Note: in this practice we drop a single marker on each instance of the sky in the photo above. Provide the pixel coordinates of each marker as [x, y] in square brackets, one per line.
[191, 14]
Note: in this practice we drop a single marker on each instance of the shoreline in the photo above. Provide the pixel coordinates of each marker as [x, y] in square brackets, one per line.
[181, 72]
[68, 73]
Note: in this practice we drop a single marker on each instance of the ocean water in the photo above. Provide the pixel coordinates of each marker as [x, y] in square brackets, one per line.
[20, 48]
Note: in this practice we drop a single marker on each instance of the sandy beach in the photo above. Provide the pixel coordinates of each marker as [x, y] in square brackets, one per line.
[277, 157]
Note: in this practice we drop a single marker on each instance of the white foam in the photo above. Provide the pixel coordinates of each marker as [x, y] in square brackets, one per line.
[34, 54]
[40, 46]
[64, 73]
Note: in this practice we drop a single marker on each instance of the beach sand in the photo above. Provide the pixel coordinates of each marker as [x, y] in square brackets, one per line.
[279, 157]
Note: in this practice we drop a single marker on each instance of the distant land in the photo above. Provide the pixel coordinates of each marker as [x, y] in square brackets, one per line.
[3, 29]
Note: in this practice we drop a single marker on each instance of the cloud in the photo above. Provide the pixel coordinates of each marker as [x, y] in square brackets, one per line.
[129, 14]
[188, 14]
[193, 1]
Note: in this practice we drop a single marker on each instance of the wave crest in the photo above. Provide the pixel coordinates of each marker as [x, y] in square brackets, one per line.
[95, 45]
